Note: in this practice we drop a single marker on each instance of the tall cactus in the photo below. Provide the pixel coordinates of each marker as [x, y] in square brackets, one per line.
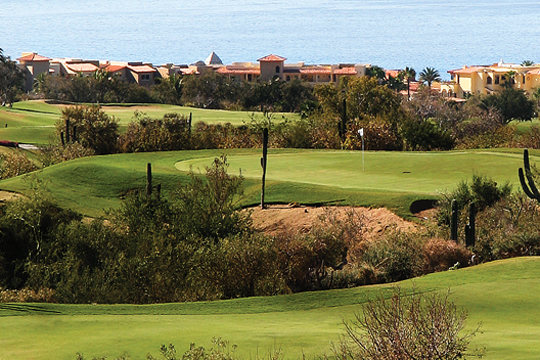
[530, 189]
[148, 179]
[263, 164]
[454, 221]
[470, 228]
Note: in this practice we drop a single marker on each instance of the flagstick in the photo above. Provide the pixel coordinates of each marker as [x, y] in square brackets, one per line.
[363, 167]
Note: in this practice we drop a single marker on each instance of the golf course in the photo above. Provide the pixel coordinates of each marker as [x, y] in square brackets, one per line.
[501, 296]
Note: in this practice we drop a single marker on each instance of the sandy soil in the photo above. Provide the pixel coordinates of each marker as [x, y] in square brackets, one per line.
[278, 218]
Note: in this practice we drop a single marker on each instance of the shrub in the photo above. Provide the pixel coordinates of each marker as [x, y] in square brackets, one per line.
[173, 132]
[406, 326]
[425, 135]
[15, 164]
[94, 128]
[440, 255]
[485, 192]
[54, 153]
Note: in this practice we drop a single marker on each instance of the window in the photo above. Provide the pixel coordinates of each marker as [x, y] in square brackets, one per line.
[523, 79]
[145, 77]
[277, 70]
[489, 80]
[496, 79]
[288, 78]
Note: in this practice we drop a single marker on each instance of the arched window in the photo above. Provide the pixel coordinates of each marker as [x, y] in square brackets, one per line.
[489, 80]
[277, 69]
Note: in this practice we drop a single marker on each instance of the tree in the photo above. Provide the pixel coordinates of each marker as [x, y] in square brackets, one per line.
[94, 128]
[429, 75]
[527, 63]
[512, 104]
[169, 90]
[11, 79]
[407, 326]
[408, 75]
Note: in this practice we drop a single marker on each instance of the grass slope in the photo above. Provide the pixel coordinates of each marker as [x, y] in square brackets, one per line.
[390, 179]
[33, 121]
[503, 295]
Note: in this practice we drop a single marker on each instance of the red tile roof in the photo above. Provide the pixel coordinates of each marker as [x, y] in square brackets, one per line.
[82, 67]
[467, 70]
[232, 71]
[349, 70]
[316, 70]
[392, 73]
[141, 69]
[534, 72]
[272, 58]
[33, 57]
[115, 68]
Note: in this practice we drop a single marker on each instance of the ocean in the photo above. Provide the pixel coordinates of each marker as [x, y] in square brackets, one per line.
[388, 33]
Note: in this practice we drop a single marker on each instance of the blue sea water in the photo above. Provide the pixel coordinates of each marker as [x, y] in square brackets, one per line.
[388, 33]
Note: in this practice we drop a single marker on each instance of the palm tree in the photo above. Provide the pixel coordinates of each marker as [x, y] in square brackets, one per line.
[429, 75]
[527, 63]
[408, 74]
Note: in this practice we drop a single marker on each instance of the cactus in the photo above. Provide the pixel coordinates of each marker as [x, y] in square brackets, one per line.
[454, 221]
[148, 179]
[529, 189]
[343, 125]
[263, 164]
[470, 228]
[67, 131]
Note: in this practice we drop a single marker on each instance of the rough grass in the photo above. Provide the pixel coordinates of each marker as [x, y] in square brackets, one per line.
[391, 179]
[503, 295]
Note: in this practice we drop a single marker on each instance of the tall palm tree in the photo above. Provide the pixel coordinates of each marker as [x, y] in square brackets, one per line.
[429, 75]
[410, 75]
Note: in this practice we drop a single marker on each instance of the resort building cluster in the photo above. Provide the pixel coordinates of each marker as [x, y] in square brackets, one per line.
[478, 79]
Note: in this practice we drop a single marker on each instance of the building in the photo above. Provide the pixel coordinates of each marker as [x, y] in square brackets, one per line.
[32, 66]
[489, 79]
[274, 66]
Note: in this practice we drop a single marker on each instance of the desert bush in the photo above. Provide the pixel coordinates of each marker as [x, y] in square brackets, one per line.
[173, 132]
[15, 164]
[501, 136]
[394, 257]
[57, 153]
[508, 229]
[208, 207]
[43, 295]
[440, 255]
[239, 266]
[94, 128]
[379, 134]
[406, 326]
[426, 135]
[482, 190]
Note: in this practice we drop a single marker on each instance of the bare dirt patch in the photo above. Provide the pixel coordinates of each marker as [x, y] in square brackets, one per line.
[278, 218]
[8, 196]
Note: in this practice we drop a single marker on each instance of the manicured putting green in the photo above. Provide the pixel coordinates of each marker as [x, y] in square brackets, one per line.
[411, 172]
[391, 179]
[502, 295]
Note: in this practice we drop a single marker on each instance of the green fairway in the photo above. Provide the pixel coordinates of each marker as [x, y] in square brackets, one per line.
[502, 295]
[33, 121]
[390, 179]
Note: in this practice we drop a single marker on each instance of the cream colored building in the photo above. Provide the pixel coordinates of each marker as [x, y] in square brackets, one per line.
[489, 79]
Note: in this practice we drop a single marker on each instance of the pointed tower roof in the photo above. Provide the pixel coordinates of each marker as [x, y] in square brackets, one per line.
[272, 58]
[213, 59]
